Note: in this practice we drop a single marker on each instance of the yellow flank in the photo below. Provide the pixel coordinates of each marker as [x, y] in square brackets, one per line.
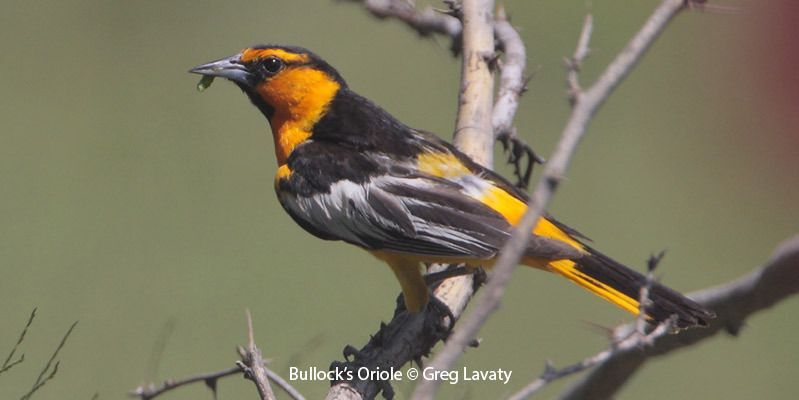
[249, 55]
[513, 209]
[299, 97]
[406, 269]
[568, 270]
[283, 172]
[442, 165]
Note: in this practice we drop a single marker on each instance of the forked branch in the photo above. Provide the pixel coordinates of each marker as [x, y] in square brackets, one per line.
[588, 102]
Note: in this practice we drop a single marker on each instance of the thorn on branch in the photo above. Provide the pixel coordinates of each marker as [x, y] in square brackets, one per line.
[644, 302]
[574, 63]
[211, 384]
[493, 61]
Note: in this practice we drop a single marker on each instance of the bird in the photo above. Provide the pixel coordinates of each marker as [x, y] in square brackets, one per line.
[347, 170]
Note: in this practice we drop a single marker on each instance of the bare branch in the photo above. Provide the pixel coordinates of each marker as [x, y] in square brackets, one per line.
[635, 339]
[554, 171]
[50, 369]
[733, 303]
[473, 130]
[8, 364]
[630, 343]
[512, 83]
[407, 338]
[474, 136]
[574, 63]
[425, 22]
[150, 391]
[252, 364]
[283, 384]
[511, 78]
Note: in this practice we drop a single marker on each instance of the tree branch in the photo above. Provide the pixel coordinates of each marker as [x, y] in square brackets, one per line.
[252, 364]
[733, 303]
[634, 339]
[424, 22]
[574, 63]
[51, 367]
[8, 364]
[584, 108]
[473, 130]
[150, 391]
[631, 343]
[511, 79]
[410, 337]
[512, 83]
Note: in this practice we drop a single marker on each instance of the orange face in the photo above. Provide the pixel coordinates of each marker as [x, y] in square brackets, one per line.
[297, 91]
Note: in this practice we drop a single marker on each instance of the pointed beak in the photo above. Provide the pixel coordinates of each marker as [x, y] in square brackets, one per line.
[230, 68]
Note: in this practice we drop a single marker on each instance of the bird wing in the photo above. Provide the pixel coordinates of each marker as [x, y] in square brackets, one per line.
[406, 209]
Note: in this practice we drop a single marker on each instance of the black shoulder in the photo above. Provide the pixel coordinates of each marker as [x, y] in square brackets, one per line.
[316, 165]
[355, 121]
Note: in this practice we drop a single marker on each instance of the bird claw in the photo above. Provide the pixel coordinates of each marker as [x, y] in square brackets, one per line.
[517, 151]
[441, 312]
[351, 352]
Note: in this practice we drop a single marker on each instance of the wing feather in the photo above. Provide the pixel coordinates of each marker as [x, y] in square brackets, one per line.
[414, 214]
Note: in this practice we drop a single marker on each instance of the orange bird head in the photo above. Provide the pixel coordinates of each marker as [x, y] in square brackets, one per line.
[292, 87]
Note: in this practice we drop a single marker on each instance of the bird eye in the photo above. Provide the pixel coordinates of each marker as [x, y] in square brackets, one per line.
[272, 64]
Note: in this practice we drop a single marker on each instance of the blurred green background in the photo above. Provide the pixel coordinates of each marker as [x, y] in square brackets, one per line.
[145, 210]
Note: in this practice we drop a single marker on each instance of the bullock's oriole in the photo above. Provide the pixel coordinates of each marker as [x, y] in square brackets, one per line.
[348, 170]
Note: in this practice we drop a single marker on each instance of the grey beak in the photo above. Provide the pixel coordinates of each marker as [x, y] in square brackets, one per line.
[228, 67]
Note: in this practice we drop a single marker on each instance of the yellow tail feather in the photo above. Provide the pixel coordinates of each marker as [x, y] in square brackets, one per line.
[567, 269]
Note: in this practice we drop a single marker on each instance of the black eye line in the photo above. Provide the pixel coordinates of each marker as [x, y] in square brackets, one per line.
[284, 63]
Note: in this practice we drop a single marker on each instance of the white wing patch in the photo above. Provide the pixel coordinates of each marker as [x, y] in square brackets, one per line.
[414, 218]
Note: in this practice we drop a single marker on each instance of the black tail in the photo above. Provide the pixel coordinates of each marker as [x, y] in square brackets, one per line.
[622, 286]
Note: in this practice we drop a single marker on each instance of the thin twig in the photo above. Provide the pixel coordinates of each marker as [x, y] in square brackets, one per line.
[425, 21]
[554, 171]
[8, 364]
[733, 302]
[512, 83]
[283, 384]
[644, 302]
[252, 364]
[632, 342]
[50, 369]
[635, 339]
[511, 78]
[150, 391]
[574, 63]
